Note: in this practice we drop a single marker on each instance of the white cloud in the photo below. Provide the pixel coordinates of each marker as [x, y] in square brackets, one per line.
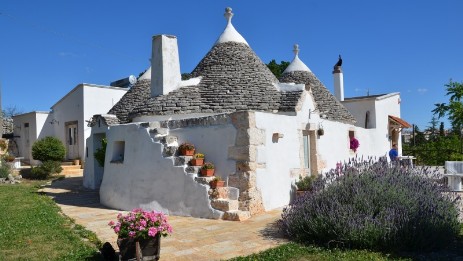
[422, 90]
[67, 54]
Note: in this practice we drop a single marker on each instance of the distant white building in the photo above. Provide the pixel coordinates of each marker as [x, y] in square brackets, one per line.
[66, 121]
[261, 133]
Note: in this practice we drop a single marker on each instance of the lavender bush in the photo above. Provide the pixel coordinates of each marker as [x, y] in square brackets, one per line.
[370, 204]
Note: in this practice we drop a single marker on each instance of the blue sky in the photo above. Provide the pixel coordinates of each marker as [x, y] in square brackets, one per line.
[413, 47]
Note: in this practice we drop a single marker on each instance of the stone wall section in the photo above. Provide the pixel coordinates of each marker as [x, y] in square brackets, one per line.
[248, 138]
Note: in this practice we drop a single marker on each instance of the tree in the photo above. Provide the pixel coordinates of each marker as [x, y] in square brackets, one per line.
[441, 129]
[433, 128]
[11, 111]
[277, 69]
[454, 108]
[48, 149]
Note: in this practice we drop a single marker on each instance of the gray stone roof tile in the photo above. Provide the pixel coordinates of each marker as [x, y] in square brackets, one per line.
[233, 79]
[325, 102]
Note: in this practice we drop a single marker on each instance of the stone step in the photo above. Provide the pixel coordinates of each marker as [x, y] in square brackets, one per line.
[225, 204]
[204, 180]
[169, 151]
[193, 169]
[66, 167]
[230, 193]
[182, 160]
[236, 215]
[67, 163]
[72, 171]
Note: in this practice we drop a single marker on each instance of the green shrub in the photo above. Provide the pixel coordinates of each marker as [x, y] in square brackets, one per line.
[100, 153]
[5, 169]
[305, 183]
[45, 170]
[376, 206]
[48, 149]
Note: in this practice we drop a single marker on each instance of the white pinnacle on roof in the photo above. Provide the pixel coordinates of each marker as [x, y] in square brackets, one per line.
[230, 34]
[296, 64]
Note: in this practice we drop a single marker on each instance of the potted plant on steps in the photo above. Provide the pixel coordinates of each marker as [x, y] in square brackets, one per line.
[186, 149]
[207, 169]
[304, 184]
[198, 160]
[144, 228]
[217, 182]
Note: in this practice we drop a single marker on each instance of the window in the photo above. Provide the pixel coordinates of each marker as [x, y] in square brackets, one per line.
[118, 152]
[306, 142]
[367, 119]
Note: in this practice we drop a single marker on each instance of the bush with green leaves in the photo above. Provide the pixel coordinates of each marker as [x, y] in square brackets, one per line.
[5, 169]
[373, 205]
[48, 149]
[100, 153]
[45, 170]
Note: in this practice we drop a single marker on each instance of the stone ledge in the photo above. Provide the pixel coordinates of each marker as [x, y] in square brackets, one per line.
[225, 204]
[236, 215]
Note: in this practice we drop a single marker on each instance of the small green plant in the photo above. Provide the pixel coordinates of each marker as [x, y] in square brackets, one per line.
[5, 169]
[208, 165]
[3, 144]
[186, 146]
[100, 153]
[305, 183]
[217, 178]
[198, 156]
[45, 170]
[48, 148]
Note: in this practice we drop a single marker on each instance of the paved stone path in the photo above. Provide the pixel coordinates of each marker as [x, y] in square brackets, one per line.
[193, 238]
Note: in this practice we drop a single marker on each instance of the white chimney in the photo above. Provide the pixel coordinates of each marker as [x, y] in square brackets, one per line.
[165, 65]
[338, 83]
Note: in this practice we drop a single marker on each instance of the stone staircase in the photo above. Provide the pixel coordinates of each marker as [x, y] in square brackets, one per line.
[71, 170]
[224, 199]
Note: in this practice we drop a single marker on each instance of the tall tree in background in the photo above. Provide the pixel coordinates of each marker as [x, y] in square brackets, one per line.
[454, 108]
[433, 128]
[441, 129]
[277, 69]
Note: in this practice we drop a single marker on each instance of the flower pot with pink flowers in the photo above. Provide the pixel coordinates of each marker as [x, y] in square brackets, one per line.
[144, 228]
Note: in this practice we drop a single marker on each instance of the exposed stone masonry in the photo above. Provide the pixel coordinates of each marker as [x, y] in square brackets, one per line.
[248, 137]
[107, 119]
[234, 79]
[325, 102]
[135, 96]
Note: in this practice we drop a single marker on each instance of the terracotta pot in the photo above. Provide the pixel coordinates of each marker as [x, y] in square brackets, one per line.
[197, 162]
[76, 162]
[217, 183]
[207, 172]
[300, 193]
[186, 152]
[150, 248]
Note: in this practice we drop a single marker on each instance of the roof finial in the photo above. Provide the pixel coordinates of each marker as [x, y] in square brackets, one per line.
[296, 49]
[228, 14]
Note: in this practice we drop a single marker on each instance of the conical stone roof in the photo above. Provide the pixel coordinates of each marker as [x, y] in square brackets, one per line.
[233, 79]
[134, 97]
[325, 102]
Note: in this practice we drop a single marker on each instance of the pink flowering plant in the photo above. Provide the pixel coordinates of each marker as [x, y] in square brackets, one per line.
[141, 224]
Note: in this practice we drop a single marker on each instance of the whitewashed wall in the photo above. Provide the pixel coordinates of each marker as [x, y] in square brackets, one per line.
[39, 127]
[358, 109]
[275, 180]
[79, 105]
[146, 179]
[97, 100]
[93, 172]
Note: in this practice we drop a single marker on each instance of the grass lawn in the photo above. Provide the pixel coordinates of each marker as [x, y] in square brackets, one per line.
[32, 228]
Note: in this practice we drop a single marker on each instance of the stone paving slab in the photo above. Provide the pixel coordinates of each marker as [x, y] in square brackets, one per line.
[193, 238]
